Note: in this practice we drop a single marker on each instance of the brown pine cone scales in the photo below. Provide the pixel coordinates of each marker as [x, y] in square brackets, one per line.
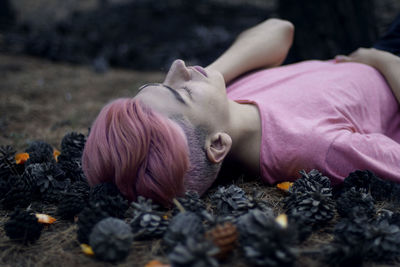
[225, 237]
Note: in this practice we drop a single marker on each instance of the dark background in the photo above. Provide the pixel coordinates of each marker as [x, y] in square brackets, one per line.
[150, 34]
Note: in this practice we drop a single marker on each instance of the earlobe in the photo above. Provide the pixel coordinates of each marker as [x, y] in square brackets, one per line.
[218, 147]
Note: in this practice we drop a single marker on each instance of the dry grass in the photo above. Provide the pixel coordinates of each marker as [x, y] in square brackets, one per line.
[42, 100]
[58, 242]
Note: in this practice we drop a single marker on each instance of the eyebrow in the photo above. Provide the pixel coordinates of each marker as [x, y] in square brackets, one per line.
[174, 92]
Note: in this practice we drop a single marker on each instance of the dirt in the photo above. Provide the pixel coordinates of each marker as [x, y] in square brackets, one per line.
[42, 100]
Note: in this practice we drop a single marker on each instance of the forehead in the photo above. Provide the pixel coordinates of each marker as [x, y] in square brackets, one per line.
[161, 99]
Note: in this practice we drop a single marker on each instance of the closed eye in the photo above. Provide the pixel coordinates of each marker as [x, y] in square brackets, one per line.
[173, 91]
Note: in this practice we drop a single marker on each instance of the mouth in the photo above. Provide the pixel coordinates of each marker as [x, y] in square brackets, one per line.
[201, 70]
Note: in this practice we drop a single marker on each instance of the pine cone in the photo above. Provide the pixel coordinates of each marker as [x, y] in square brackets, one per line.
[36, 158]
[87, 219]
[368, 181]
[315, 204]
[310, 182]
[42, 175]
[300, 225]
[4, 186]
[7, 168]
[251, 224]
[104, 189]
[374, 240]
[381, 189]
[7, 153]
[47, 180]
[116, 206]
[72, 168]
[39, 152]
[224, 236]
[256, 202]
[111, 239]
[383, 242]
[358, 179]
[143, 205]
[108, 197]
[23, 226]
[395, 194]
[355, 198]
[212, 220]
[55, 193]
[337, 254]
[149, 225]
[80, 188]
[191, 202]
[40, 147]
[230, 200]
[181, 226]
[352, 231]
[265, 242]
[196, 253]
[19, 195]
[71, 205]
[7, 162]
[389, 216]
[73, 144]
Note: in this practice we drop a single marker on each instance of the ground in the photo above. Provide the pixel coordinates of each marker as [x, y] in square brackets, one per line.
[56, 98]
[43, 100]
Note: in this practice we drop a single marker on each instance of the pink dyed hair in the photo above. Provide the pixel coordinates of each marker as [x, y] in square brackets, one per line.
[141, 151]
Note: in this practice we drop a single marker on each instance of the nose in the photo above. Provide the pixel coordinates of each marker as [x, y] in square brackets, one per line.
[177, 72]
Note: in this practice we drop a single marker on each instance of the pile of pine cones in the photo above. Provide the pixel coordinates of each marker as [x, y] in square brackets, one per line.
[193, 233]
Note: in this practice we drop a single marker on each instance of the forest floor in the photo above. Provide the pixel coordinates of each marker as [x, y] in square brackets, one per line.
[43, 100]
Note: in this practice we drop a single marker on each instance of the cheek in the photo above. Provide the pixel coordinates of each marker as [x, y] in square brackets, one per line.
[215, 97]
[212, 106]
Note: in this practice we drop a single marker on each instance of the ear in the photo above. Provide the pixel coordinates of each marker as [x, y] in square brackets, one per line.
[218, 147]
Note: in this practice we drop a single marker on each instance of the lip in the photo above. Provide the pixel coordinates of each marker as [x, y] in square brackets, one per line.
[201, 70]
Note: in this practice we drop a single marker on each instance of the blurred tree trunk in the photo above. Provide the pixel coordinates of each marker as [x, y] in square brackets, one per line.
[327, 28]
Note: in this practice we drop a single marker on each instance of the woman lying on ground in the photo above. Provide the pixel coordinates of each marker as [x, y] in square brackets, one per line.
[336, 116]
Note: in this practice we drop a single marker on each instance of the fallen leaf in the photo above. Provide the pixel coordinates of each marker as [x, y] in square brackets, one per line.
[156, 263]
[87, 250]
[45, 219]
[21, 158]
[282, 220]
[56, 153]
[284, 186]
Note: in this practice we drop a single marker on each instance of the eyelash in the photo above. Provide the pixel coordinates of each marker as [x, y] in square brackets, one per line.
[188, 90]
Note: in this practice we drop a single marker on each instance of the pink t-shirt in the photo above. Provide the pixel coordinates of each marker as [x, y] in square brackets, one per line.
[337, 118]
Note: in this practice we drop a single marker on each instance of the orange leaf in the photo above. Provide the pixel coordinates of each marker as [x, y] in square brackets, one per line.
[156, 263]
[285, 186]
[21, 158]
[87, 250]
[56, 153]
[44, 218]
[282, 220]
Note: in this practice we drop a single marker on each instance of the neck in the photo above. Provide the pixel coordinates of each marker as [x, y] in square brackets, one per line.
[245, 131]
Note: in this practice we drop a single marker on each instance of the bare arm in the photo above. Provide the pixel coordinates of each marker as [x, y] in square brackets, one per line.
[385, 62]
[262, 46]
